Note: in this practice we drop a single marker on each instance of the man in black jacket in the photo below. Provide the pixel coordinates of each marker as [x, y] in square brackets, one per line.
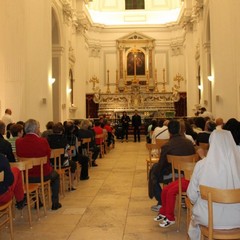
[136, 123]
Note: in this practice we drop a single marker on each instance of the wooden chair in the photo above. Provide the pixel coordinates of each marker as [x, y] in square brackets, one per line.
[30, 189]
[178, 163]
[187, 169]
[101, 145]
[6, 212]
[153, 155]
[187, 175]
[86, 142]
[56, 155]
[44, 186]
[224, 196]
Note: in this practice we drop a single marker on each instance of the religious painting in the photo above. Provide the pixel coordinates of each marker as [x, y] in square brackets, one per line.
[136, 63]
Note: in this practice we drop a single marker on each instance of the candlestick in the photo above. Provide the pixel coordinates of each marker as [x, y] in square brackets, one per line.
[108, 90]
[116, 81]
[156, 88]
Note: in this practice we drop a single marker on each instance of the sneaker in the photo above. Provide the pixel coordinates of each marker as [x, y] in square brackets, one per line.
[159, 218]
[156, 208]
[166, 223]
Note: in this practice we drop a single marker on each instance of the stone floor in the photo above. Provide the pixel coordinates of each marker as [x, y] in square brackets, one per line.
[112, 205]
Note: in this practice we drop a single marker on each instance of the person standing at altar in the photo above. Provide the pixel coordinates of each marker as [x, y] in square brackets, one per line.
[125, 119]
[136, 123]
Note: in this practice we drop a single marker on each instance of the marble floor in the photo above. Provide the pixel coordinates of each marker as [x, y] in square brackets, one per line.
[112, 205]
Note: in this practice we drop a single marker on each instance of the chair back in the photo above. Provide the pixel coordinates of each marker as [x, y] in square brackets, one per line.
[204, 146]
[86, 142]
[161, 142]
[153, 150]
[36, 161]
[56, 155]
[1, 176]
[100, 137]
[224, 196]
[175, 160]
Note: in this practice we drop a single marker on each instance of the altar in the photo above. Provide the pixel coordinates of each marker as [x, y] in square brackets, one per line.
[148, 104]
[140, 83]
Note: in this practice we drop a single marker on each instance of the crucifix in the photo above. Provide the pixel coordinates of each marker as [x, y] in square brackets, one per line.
[94, 80]
[178, 79]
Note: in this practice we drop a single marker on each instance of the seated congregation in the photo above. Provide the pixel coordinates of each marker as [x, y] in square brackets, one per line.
[194, 168]
[52, 162]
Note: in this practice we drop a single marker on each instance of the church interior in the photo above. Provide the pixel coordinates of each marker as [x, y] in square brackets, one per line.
[77, 59]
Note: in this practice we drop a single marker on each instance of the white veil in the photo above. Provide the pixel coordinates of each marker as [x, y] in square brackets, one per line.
[222, 163]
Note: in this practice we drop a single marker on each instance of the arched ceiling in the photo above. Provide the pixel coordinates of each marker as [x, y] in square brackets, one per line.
[112, 12]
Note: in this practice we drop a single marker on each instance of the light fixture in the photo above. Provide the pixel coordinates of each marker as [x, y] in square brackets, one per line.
[52, 80]
[69, 90]
[210, 78]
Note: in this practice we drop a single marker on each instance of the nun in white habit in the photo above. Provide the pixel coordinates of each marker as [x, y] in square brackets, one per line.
[219, 169]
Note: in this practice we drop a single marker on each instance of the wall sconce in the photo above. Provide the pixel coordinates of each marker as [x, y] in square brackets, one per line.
[200, 87]
[69, 90]
[52, 80]
[210, 78]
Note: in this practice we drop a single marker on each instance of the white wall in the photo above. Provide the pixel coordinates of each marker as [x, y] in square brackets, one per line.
[26, 53]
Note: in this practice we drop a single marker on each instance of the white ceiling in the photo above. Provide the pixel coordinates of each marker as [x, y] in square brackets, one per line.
[112, 12]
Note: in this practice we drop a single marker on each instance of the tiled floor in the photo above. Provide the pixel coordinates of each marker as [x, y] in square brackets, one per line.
[112, 205]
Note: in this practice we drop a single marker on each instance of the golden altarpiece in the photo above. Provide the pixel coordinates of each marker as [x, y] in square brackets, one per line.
[137, 86]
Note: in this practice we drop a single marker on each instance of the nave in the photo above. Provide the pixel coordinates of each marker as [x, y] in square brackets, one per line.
[112, 205]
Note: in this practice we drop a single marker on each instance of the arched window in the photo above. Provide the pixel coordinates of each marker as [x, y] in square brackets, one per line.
[71, 85]
[134, 4]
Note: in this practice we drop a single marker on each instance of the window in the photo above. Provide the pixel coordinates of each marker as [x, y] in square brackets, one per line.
[71, 85]
[134, 4]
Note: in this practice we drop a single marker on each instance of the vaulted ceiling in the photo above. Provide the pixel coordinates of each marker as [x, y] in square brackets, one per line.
[113, 13]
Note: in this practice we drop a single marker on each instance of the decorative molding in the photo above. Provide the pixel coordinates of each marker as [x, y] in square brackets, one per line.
[67, 12]
[176, 48]
[82, 22]
[71, 54]
[94, 49]
[57, 50]
[197, 52]
[207, 47]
